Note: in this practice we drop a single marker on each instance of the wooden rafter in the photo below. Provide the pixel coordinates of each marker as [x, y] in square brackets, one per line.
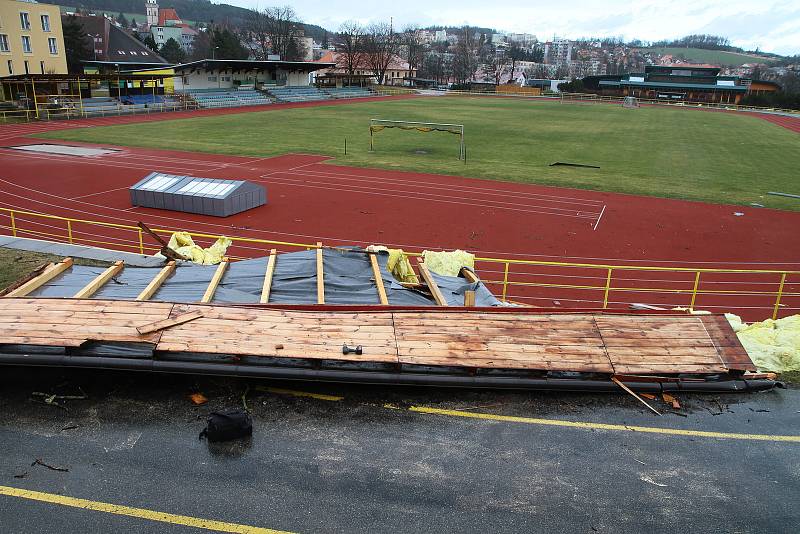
[469, 298]
[100, 280]
[469, 275]
[431, 283]
[320, 276]
[376, 272]
[215, 280]
[270, 272]
[157, 282]
[53, 270]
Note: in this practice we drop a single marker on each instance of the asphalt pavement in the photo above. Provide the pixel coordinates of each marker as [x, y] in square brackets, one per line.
[342, 458]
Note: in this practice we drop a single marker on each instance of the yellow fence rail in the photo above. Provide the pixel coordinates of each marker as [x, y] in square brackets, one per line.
[518, 280]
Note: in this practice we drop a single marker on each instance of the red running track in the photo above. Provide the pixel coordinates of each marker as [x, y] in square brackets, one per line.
[312, 200]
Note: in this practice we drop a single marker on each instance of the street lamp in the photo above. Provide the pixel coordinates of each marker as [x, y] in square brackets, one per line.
[213, 52]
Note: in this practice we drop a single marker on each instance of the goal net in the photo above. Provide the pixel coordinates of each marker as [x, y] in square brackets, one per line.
[378, 125]
[630, 102]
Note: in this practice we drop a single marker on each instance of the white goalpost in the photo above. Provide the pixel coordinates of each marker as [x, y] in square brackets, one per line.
[630, 102]
[377, 125]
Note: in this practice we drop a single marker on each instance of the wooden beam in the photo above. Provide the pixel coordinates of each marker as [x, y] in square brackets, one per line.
[435, 291]
[637, 397]
[156, 282]
[48, 274]
[320, 276]
[470, 276]
[100, 280]
[376, 272]
[172, 321]
[469, 298]
[215, 280]
[273, 255]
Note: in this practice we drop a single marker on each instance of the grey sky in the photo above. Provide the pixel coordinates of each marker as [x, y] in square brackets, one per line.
[772, 25]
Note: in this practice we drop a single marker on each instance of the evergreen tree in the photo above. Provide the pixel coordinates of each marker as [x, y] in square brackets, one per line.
[226, 45]
[76, 44]
[325, 44]
[172, 51]
[133, 24]
[122, 20]
[150, 42]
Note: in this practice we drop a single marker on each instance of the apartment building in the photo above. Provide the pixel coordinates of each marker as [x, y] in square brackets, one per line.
[31, 40]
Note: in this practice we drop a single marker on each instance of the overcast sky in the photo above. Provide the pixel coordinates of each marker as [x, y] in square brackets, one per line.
[771, 25]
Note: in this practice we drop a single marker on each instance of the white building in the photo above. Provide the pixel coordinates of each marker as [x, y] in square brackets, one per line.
[558, 52]
[151, 8]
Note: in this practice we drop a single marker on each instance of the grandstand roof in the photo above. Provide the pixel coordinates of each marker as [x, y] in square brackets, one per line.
[246, 64]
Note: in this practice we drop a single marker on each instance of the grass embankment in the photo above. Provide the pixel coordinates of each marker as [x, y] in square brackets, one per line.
[668, 152]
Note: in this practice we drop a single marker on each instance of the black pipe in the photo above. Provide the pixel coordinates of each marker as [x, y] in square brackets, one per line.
[376, 377]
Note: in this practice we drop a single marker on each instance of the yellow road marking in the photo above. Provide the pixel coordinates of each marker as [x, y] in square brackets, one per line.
[601, 426]
[140, 513]
[296, 393]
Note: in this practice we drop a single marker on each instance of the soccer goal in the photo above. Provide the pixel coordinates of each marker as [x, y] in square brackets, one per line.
[630, 102]
[377, 125]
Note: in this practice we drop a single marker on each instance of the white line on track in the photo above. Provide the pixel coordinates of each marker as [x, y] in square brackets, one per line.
[418, 182]
[599, 217]
[223, 229]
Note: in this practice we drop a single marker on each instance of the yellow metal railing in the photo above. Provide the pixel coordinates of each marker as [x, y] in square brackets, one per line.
[765, 289]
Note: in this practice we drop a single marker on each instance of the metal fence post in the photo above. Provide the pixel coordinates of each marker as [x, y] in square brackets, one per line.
[694, 289]
[505, 281]
[13, 224]
[141, 242]
[778, 298]
[69, 230]
[608, 288]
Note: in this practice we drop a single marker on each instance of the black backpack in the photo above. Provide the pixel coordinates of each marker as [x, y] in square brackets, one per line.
[228, 425]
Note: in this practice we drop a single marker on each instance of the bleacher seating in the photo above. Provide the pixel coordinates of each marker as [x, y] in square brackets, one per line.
[227, 98]
[312, 94]
[105, 105]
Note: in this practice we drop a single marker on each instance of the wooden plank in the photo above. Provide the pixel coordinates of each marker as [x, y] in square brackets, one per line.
[157, 281]
[469, 275]
[469, 298]
[631, 392]
[320, 276]
[270, 272]
[31, 285]
[376, 273]
[431, 283]
[102, 279]
[215, 280]
[731, 351]
[287, 350]
[167, 323]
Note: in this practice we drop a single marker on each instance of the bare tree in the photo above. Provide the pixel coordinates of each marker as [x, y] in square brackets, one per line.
[413, 47]
[465, 60]
[381, 46]
[350, 47]
[515, 53]
[285, 30]
[255, 33]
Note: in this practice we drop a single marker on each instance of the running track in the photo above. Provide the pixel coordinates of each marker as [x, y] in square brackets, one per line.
[312, 200]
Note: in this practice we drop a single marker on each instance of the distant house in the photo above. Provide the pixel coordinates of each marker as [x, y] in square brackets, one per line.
[363, 74]
[165, 24]
[114, 47]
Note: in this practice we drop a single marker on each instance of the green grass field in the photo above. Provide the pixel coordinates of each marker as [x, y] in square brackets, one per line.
[713, 57]
[670, 152]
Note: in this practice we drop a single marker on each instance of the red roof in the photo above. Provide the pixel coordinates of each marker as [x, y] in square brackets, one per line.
[166, 14]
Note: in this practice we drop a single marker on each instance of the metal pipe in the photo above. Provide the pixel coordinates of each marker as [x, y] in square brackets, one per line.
[377, 377]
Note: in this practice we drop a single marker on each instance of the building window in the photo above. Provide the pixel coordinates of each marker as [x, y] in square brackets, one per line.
[45, 23]
[10, 67]
[41, 66]
[53, 45]
[4, 43]
[27, 70]
[24, 21]
[212, 78]
[26, 44]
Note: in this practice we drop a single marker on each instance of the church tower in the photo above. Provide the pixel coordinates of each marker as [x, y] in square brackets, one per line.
[151, 8]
